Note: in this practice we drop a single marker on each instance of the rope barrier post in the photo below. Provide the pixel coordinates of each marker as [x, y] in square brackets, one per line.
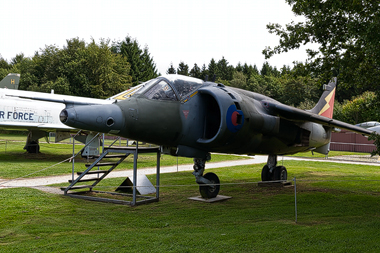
[295, 197]
[135, 155]
[158, 175]
[73, 163]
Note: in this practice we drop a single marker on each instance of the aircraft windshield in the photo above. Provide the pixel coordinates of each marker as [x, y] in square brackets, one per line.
[161, 91]
[146, 86]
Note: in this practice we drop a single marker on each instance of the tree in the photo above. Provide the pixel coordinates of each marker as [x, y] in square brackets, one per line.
[223, 70]
[268, 70]
[108, 72]
[212, 69]
[196, 71]
[19, 58]
[239, 67]
[348, 39]
[183, 69]
[248, 70]
[171, 69]
[239, 80]
[361, 108]
[298, 90]
[267, 85]
[204, 72]
[89, 70]
[142, 66]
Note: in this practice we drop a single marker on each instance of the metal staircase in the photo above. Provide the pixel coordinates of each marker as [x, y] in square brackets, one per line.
[95, 175]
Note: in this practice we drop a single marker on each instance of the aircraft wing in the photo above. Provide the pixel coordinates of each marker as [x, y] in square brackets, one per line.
[29, 126]
[67, 100]
[295, 114]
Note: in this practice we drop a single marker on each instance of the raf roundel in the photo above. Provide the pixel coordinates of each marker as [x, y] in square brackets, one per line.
[234, 118]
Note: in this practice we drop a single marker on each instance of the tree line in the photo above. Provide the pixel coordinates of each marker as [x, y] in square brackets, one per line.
[97, 70]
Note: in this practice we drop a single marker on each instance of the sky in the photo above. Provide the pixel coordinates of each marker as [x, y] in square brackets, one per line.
[191, 31]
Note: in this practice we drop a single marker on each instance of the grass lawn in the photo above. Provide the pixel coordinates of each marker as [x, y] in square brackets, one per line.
[337, 205]
[338, 211]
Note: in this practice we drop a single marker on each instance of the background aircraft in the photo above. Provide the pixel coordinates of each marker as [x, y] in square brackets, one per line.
[11, 81]
[18, 112]
[190, 117]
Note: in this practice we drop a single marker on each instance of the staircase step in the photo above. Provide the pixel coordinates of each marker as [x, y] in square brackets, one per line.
[77, 187]
[92, 172]
[140, 149]
[112, 156]
[102, 164]
[85, 180]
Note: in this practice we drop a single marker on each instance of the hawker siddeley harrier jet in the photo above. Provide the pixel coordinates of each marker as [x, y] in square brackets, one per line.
[192, 118]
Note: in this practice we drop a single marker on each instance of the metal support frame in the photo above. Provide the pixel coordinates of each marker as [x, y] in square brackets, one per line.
[125, 151]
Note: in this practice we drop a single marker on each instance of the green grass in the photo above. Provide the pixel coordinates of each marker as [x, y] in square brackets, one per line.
[331, 154]
[338, 211]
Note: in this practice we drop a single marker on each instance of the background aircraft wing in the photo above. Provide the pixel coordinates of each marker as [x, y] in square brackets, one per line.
[67, 100]
[39, 126]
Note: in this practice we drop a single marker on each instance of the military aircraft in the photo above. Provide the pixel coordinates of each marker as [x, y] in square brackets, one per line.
[19, 112]
[190, 117]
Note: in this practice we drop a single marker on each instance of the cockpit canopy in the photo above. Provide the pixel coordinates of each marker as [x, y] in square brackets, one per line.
[170, 87]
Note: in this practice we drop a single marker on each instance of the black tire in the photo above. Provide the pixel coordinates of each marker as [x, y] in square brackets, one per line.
[265, 174]
[210, 191]
[33, 147]
[280, 173]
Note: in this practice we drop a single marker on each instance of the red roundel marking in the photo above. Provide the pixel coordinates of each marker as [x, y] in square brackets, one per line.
[234, 118]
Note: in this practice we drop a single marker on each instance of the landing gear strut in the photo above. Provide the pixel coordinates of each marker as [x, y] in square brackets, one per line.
[272, 172]
[209, 183]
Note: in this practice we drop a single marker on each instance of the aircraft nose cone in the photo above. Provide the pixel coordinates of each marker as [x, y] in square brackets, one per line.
[100, 118]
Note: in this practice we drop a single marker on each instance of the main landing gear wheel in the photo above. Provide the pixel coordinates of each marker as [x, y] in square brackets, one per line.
[210, 191]
[265, 174]
[280, 173]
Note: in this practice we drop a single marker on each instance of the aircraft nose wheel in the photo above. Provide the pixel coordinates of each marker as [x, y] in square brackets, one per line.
[210, 191]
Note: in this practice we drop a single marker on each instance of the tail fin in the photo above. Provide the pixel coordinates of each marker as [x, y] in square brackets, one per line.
[10, 81]
[325, 105]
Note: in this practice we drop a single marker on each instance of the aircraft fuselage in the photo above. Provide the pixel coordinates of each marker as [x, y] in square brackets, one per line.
[210, 118]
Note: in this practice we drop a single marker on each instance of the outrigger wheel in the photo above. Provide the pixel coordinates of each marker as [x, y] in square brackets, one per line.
[210, 191]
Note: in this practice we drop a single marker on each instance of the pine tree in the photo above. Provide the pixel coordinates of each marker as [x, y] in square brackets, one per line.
[142, 66]
[248, 70]
[204, 72]
[224, 71]
[183, 69]
[239, 67]
[195, 71]
[171, 69]
[212, 70]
